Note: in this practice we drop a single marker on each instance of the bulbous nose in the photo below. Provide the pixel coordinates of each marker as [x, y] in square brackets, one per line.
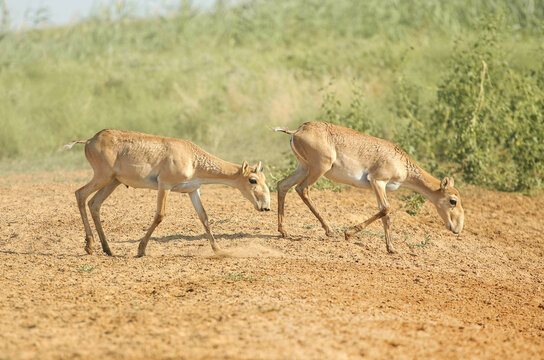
[455, 229]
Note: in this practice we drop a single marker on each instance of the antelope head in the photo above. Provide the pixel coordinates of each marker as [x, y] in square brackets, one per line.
[448, 204]
[252, 184]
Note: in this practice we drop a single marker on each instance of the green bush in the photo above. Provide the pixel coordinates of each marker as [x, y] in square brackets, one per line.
[488, 118]
[413, 203]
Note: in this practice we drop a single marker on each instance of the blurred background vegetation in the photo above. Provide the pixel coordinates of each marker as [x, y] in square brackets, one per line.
[458, 84]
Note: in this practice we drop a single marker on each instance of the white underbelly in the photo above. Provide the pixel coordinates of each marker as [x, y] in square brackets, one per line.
[360, 178]
[186, 187]
[392, 186]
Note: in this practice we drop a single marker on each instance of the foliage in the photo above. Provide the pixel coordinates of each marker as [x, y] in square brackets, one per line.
[86, 268]
[238, 277]
[488, 118]
[413, 203]
[421, 244]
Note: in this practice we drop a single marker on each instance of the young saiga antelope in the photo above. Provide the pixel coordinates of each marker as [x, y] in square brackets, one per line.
[164, 164]
[350, 157]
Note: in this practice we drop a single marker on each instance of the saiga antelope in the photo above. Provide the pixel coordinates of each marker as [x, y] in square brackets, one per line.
[164, 164]
[350, 157]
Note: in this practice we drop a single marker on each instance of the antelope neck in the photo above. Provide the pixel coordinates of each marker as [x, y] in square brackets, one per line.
[212, 170]
[422, 182]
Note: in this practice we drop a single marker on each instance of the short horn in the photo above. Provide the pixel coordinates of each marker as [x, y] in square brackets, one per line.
[245, 168]
[259, 167]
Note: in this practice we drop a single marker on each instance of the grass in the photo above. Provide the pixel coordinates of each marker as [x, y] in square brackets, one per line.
[86, 268]
[413, 203]
[222, 221]
[224, 77]
[238, 277]
[422, 244]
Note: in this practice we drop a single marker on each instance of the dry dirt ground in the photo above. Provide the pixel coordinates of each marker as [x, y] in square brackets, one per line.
[478, 295]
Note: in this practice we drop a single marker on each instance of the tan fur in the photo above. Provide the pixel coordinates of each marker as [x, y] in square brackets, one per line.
[164, 164]
[350, 157]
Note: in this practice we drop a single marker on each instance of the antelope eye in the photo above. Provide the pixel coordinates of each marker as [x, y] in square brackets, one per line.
[453, 202]
[253, 181]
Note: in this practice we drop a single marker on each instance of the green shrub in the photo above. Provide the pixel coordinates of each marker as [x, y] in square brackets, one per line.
[489, 117]
[413, 203]
[486, 123]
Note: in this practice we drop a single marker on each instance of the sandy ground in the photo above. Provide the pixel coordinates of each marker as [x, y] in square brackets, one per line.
[477, 295]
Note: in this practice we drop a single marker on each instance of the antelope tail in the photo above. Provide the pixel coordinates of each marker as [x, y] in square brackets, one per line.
[290, 132]
[70, 145]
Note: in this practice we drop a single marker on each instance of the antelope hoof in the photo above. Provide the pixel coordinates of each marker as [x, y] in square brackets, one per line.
[347, 236]
[329, 233]
[391, 249]
[141, 252]
[220, 252]
[89, 245]
[283, 233]
[107, 251]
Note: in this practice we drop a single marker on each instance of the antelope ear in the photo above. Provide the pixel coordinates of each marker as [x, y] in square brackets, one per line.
[245, 168]
[258, 167]
[446, 183]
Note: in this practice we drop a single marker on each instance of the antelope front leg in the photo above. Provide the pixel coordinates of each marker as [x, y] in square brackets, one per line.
[159, 216]
[197, 204]
[388, 242]
[379, 189]
[355, 229]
